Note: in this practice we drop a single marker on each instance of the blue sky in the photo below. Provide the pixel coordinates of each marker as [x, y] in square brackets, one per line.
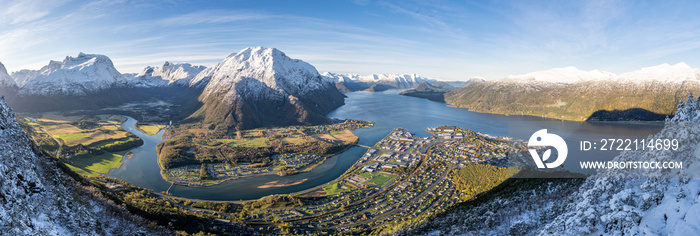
[451, 40]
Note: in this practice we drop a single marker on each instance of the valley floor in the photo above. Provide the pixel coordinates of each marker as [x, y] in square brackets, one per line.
[89, 144]
[400, 181]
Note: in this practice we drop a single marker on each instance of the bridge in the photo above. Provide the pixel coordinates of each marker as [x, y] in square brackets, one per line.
[171, 186]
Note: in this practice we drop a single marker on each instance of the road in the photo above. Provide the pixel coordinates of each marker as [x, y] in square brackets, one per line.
[58, 152]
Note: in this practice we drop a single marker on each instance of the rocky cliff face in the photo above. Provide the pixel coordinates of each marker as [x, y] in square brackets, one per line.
[263, 87]
[37, 198]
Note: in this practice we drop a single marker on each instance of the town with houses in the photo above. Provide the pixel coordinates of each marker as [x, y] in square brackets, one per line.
[403, 176]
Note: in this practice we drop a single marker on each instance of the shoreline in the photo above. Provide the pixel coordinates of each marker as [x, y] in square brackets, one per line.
[305, 169]
[297, 193]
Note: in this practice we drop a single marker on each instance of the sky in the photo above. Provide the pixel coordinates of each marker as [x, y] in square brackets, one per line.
[448, 40]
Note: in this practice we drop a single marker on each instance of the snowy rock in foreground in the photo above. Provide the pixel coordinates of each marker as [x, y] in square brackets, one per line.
[612, 203]
[36, 198]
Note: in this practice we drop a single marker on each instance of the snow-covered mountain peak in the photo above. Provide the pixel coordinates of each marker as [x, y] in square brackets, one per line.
[23, 76]
[54, 65]
[666, 66]
[259, 52]
[260, 86]
[79, 75]
[374, 78]
[85, 60]
[169, 73]
[566, 75]
[681, 65]
[664, 73]
[268, 65]
[477, 79]
[5, 79]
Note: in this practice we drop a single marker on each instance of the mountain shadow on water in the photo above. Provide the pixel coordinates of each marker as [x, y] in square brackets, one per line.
[632, 114]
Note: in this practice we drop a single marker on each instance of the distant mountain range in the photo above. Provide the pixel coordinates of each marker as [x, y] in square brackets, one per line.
[252, 88]
[436, 91]
[87, 81]
[572, 94]
[170, 74]
[244, 89]
[376, 82]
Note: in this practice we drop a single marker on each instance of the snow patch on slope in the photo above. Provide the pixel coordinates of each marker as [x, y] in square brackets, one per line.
[202, 79]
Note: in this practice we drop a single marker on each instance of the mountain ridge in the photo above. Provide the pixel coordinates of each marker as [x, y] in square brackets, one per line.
[664, 73]
[354, 82]
[169, 74]
[581, 94]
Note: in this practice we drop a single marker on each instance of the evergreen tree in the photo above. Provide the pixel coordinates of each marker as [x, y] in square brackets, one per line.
[203, 172]
[680, 109]
[691, 99]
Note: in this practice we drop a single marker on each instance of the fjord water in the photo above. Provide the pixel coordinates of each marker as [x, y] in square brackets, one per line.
[388, 110]
[142, 168]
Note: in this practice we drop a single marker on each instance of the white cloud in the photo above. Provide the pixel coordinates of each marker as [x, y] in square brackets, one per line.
[18, 12]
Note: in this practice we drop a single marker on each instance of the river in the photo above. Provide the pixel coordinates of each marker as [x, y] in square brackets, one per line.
[388, 110]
